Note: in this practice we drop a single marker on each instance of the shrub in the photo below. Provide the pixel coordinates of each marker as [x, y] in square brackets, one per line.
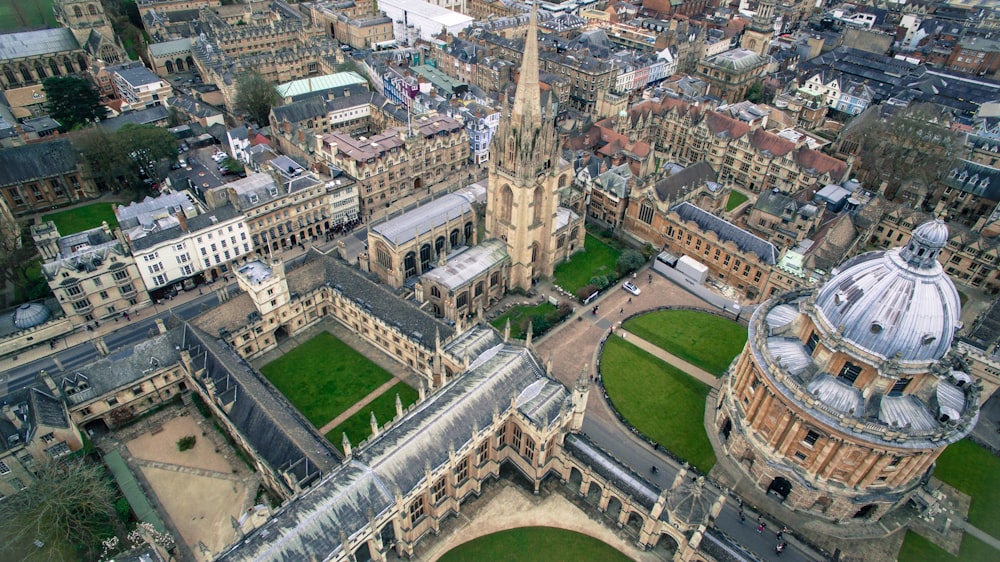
[583, 292]
[123, 509]
[629, 261]
[185, 443]
[600, 281]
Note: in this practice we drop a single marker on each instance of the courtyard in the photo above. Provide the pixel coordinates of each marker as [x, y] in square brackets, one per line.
[598, 258]
[200, 490]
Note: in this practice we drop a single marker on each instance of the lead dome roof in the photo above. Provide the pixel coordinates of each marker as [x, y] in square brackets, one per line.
[897, 304]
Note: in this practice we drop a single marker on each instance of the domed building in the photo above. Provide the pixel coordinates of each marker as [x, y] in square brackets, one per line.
[844, 397]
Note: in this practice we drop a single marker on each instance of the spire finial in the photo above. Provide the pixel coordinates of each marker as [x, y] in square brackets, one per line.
[527, 97]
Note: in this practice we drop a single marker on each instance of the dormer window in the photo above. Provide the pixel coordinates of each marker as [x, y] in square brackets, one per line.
[254, 198]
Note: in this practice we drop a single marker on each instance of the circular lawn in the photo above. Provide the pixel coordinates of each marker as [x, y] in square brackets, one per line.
[530, 544]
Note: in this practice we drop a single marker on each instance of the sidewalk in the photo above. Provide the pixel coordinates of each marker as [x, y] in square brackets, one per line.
[696, 372]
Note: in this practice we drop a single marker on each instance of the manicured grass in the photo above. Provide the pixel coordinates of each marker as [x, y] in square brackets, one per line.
[702, 339]
[597, 258]
[973, 470]
[531, 544]
[23, 15]
[659, 400]
[736, 198]
[324, 376]
[518, 319]
[918, 549]
[358, 427]
[83, 218]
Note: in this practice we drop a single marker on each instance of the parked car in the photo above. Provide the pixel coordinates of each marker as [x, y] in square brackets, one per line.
[628, 286]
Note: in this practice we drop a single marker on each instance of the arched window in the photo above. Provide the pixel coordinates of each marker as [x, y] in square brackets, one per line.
[646, 212]
[180, 65]
[506, 201]
[383, 258]
[468, 233]
[40, 70]
[410, 265]
[575, 233]
[77, 11]
[425, 257]
[439, 245]
[81, 63]
[453, 238]
[563, 180]
[68, 65]
[26, 74]
[435, 292]
[91, 10]
[539, 202]
[9, 75]
[54, 67]
[169, 66]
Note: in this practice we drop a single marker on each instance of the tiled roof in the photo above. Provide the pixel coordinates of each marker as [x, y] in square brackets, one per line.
[723, 125]
[773, 144]
[34, 43]
[37, 160]
[823, 164]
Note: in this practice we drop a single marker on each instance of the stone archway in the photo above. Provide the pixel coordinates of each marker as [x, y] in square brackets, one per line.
[594, 493]
[780, 487]
[635, 522]
[614, 509]
[575, 479]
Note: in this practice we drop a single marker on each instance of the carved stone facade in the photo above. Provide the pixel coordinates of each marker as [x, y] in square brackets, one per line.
[844, 397]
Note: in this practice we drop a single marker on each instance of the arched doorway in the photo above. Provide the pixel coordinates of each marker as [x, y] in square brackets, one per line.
[614, 508]
[780, 487]
[634, 522]
[575, 479]
[866, 511]
[727, 428]
[594, 493]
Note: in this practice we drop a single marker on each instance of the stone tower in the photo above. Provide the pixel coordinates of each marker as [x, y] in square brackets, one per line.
[524, 178]
[91, 27]
[757, 37]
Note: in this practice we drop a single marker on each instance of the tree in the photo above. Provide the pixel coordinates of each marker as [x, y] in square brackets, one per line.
[123, 159]
[629, 261]
[72, 102]
[255, 96]
[912, 146]
[17, 256]
[756, 92]
[71, 502]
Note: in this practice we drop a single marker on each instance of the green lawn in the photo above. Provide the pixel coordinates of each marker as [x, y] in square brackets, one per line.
[659, 400]
[531, 544]
[736, 198]
[705, 340]
[83, 218]
[973, 470]
[358, 427]
[520, 316]
[22, 15]
[597, 258]
[324, 376]
[918, 549]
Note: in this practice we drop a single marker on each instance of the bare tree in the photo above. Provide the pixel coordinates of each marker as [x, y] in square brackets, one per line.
[255, 96]
[17, 254]
[71, 502]
[912, 146]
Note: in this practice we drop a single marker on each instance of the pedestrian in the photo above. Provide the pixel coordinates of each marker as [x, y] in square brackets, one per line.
[622, 311]
[760, 528]
[650, 278]
[778, 535]
[630, 300]
[743, 518]
[97, 324]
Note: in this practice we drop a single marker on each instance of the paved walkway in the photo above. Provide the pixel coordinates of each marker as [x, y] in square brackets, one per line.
[978, 533]
[357, 406]
[696, 372]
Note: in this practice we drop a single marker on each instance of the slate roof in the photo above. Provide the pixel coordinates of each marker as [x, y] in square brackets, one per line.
[623, 477]
[34, 43]
[976, 179]
[728, 232]
[311, 525]
[273, 427]
[38, 160]
[692, 177]
[147, 116]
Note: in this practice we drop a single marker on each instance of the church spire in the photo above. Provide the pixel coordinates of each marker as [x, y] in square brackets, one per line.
[527, 99]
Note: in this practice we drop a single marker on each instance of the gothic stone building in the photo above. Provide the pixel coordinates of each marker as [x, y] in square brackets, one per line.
[40, 176]
[844, 396]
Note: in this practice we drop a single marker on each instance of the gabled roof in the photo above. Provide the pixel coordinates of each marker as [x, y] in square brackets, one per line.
[38, 160]
[423, 219]
[821, 163]
[468, 265]
[723, 125]
[693, 177]
[34, 43]
[771, 143]
[728, 232]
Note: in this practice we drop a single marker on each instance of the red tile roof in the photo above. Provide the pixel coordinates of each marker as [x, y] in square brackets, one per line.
[762, 140]
[823, 164]
[720, 124]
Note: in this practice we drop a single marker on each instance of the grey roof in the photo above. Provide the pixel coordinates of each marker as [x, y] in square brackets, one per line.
[466, 266]
[893, 306]
[147, 116]
[273, 427]
[137, 75]
[123, 367]
[692, 177]
[34, 43]
[423, 219]
[194, 224]
[836, 394]
[310, 526]
[37, 160]
[30, 314]
[728, 232]
[976, 179]
[169, 48]
[623, 477]
[35, 406]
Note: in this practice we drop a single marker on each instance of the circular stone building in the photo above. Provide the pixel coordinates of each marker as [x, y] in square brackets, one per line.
[844, 396]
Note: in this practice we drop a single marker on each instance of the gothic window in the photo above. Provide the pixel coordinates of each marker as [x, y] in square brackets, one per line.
[437, 492]
[479, 288]
[539, 199]
[811, 342]
[495, 279]
[91, 10]
[468, 232]
[439, 245]
[453, 238]
[40, 70]
[646, 212]
[169, 66]
[383, 258]
[510, 151]
[25, 73]
[435, 292]
[9, 75]
[462, 470]
[516, 438]
[77, 11]
[68, 65]
[529, 448]
[81, 62]
[410, 265]
[54, 67]
[425, 257]
[534, 252]
[416, 510]
[462, 300]
[563, 180]
[506, 202]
